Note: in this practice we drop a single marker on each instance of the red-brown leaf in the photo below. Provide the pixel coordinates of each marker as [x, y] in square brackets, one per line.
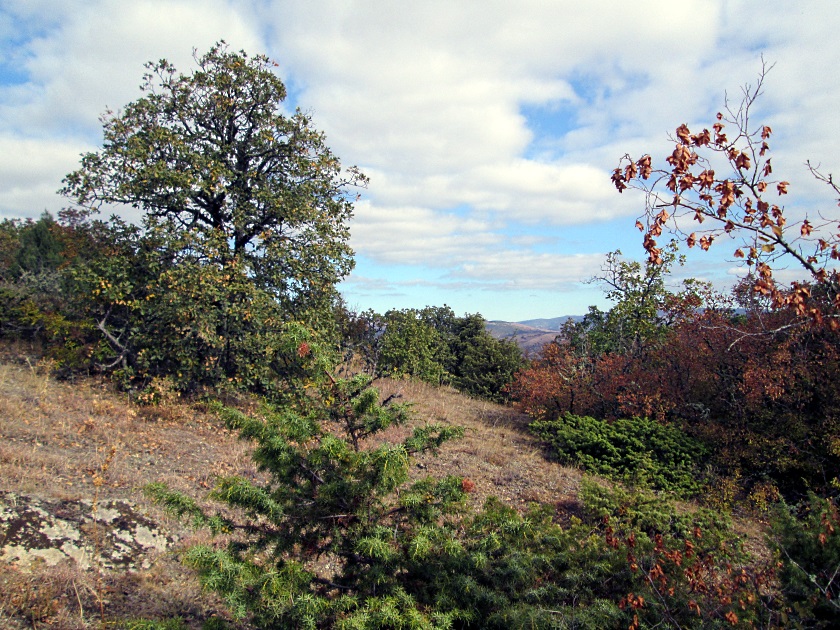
[742, 162]
[644, 166]
[706, 178]
[767, 168]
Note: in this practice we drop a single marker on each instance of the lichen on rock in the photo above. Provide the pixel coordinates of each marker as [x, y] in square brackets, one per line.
[113, 534]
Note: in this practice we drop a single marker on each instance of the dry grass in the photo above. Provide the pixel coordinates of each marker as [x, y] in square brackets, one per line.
[55, 438]
[496, 453]
[66, 597]
[56, 435]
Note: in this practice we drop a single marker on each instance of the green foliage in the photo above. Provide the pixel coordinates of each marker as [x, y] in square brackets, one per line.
[679, 569]
[487, 366]
[525, 571]
[168, 307]
[642, 510]
[435, 345]
[329, 496]
[807, 544]
[339, 537]
[37, 296]
[212, 151]
[410, 346]
[643, 306]
[481, 365]
[35, 247]
[244, 231]
[151, 303]
[638, 451]
[475, 362]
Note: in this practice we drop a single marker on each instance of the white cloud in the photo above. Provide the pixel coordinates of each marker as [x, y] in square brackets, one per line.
[464, 251]
[85, 57]
[31, 173]
[428, 98]
[515, 190]
[93, 57]
[521, 270]
[419, 236]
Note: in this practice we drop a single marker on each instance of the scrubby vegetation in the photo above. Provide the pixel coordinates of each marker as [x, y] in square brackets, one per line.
[224, 296]
[638, 451]
[434, 345]
[755, 385]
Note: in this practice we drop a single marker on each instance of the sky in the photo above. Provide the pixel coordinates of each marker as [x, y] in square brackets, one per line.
[488, 128]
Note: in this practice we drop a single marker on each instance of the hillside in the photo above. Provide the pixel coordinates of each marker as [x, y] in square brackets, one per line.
[530, 335]
[73, 451]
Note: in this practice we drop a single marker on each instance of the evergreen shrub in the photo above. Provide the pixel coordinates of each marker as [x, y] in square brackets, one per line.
[638, 451]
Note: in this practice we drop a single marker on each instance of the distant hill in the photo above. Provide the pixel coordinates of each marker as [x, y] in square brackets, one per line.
[555, 323]
[531, 334]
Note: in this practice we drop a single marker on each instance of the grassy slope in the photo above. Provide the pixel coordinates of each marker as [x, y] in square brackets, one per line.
[54, 436]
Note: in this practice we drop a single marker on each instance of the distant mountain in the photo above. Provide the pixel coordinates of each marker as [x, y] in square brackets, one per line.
[555, 323]
[532, 334]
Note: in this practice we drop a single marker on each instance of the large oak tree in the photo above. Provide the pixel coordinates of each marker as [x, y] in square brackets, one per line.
[214, 150]
[244, 230]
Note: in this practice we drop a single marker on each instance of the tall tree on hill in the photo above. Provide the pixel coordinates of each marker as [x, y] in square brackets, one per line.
[245, 224]
[213, 151]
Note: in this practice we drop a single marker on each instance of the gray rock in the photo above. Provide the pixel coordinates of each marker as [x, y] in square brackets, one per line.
[114, 534]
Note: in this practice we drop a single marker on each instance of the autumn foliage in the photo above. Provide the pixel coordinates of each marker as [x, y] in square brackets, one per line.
[759, 389]
[722, 181]
[754, 374]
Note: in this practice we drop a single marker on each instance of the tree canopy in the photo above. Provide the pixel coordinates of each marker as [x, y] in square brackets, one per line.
[244, 230]
[213, 150]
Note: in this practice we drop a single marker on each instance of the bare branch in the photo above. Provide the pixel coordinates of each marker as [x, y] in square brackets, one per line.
[745, 202]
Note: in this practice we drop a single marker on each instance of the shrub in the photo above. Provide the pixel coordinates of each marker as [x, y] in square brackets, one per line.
[807, 543]
[434, 345]
[411, 347]
[339, 537]
[334, 498]
[679, 569]
[483, 366]
[638, 451]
